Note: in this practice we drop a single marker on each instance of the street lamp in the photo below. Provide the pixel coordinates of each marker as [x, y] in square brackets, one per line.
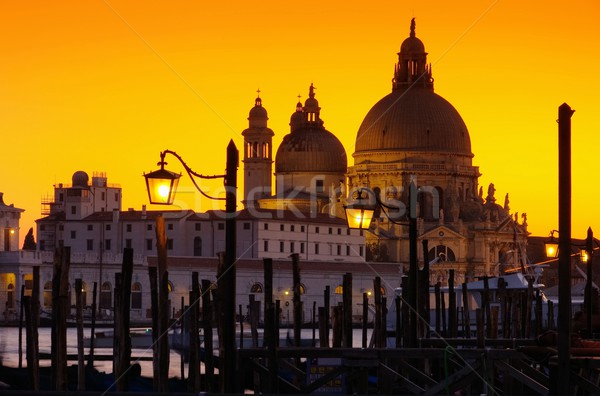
[359, 214]
[551, 246]
[161, 185]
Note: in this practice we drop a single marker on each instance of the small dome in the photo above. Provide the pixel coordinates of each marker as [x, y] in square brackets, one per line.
[412, 45]
[311, 149]
[80, 179]
[258, 115]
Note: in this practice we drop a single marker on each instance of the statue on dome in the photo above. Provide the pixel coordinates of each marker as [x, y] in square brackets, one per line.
[506, 202]
[490, 195]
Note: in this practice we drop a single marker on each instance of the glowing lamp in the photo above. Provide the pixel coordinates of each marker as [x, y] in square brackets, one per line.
[359, 213]
[584, 256]
[162, 186]
[551, 246]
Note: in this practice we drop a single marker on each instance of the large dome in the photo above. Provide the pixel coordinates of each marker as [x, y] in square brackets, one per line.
[310, 149]
[413, 120]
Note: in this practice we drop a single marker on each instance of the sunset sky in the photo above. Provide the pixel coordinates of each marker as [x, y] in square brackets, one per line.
[104, 86]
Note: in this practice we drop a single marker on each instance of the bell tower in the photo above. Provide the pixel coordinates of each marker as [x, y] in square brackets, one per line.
[258, 155]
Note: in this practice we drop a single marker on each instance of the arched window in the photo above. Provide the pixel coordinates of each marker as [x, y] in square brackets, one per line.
[136, 296]
[301, 288]
[256, 288]
[255, 150]
[48, 294]
[339, 289]
[441, 252]
[170, 286]
[197, 246]
[106, 296]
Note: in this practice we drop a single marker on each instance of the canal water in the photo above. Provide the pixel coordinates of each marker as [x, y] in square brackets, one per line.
[9, 348]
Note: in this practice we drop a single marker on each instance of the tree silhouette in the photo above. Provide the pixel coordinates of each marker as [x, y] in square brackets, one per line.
[29, 242]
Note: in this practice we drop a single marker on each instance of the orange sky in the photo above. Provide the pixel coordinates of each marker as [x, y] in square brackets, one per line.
[106, 85]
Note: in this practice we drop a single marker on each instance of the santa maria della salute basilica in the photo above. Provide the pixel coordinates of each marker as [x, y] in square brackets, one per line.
[412, 136]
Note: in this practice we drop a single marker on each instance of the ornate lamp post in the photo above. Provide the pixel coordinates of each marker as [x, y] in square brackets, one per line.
[161, 185]
[359, 214]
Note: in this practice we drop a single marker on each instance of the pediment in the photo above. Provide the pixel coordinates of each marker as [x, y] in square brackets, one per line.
[439, 233]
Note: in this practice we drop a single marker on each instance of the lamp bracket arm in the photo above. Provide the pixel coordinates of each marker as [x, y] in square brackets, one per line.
[189, 170]
[191, 173]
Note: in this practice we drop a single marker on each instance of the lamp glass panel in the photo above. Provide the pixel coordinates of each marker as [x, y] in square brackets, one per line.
[359, 218]
[584, 256]
[551, 249]
[162, 186]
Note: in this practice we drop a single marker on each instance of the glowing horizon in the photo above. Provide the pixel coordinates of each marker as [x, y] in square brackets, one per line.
[106, 86]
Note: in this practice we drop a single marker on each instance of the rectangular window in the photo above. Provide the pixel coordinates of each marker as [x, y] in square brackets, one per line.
[339, 231]
[281, 247]
[319, 186]
[136, 300]
[107, 244]
[43, 227]
[292, 228]
[360, 251]
[90, 244]
[90, 227]
[198, 226]
[73, 210]
[292, 247]
[108, 227]
[221, 226]
[103, 196]
[348, 231]
[301, 228]
[266, 226]
[128, 243]
[61, 197]
[61, 227]
[347, 250]
[266, 246]
[149, 227]
[148, 244]
[73, 234]
[316, 230]
[281, 227]
[170, 244]
[330, 230]
[246, 226]
[339, 250]
[302, 247]
[128, 227]
[169, 226]
[316, 248]
[116, 197]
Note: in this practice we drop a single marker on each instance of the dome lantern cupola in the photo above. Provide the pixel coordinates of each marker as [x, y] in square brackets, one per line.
[412, 69]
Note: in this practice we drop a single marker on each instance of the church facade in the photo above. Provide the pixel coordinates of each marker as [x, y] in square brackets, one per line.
[414, 135]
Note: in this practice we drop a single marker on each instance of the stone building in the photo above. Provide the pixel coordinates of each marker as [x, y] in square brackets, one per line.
[413, 134]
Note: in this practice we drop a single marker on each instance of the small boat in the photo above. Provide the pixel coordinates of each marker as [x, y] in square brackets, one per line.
[141, 338]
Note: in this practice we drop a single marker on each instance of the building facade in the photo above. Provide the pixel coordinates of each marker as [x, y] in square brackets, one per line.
[414, 135]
